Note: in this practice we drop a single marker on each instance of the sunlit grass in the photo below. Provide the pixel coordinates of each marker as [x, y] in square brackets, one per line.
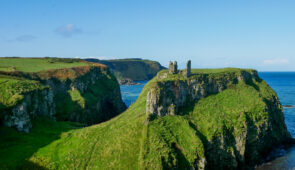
[36, 64]
[128, 142]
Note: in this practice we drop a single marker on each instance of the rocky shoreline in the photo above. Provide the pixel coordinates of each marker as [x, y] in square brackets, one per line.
[128, 82]
[288, 106]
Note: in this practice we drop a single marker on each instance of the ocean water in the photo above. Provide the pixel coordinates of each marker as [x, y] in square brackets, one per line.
[284, 85]
[131, 92]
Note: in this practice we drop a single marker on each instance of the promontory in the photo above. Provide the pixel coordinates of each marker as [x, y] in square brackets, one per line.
[210, 119]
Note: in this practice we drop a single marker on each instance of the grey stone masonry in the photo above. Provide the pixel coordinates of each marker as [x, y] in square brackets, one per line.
[187, 71]
[173, 67]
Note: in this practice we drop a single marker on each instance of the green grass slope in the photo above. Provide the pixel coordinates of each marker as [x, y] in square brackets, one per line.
[16, 147]
[82, 91]
[12, 89]
[128, 142]
[134, 69]
[45, 68]
[37, 64]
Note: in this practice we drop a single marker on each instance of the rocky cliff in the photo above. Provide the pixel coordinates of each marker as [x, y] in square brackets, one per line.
[87, 94]
[238, 143]
[22, 101]
[212, 119]
[168, 95]
[92, 97]
[129, 70]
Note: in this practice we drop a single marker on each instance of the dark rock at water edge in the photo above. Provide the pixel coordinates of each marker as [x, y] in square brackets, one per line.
[288, 106]
[128, 81]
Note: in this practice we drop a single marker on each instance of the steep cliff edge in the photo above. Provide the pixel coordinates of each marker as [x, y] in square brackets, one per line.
[85, 92]
[235, 114]
[214, 119]
[172, 92]
[129, 70]
[22, 100]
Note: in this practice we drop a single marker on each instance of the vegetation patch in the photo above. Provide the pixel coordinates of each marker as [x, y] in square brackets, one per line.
[17, 148]
[133, 69]
[37, 64]
[81, 91]
[205, 131]
[76, 97]
[12, 89]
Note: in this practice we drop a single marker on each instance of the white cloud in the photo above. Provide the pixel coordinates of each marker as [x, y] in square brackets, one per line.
[68, 30]
[275, 61]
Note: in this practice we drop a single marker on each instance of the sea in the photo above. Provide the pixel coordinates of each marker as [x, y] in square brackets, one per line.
[284, 85]
[131, 92]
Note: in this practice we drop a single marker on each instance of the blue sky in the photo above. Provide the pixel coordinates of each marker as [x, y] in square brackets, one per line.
[256, 34]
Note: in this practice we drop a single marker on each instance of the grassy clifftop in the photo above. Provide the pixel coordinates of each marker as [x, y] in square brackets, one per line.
[16, 75]
[132, 69]
[12, 89]
[76, 90]
[37, 64]
[231, 128]
[46, 68]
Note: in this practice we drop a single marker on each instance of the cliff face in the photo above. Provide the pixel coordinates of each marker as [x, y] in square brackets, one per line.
[167, 96]
[129, 70]
[87, 94]
[234, 146]
[34, 103]
[222, 119]
[89, 98]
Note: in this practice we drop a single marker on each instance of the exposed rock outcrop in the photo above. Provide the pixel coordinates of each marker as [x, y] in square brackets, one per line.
[90, 98]
[168, 96]
[134, 69]
[128, 82]
[35, 103]
[223, 119]
[88, 94]
[234, 147]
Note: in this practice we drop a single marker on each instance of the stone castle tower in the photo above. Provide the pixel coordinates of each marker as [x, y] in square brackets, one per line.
[187, 71]
[170, 67]
[173, 67]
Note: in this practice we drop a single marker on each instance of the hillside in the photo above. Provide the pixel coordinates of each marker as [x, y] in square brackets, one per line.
[221, 118]
[37, 64]
[62, 89]
[129, 70]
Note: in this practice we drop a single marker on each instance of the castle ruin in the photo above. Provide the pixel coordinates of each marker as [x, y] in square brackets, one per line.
[173, 67]
[174, 70]
[187, 71]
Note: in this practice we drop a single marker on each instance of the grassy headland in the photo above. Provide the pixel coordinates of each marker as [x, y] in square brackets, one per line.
[210, 129]
[82, 91]
[37, 64]
[13, 88]
[132, 69]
